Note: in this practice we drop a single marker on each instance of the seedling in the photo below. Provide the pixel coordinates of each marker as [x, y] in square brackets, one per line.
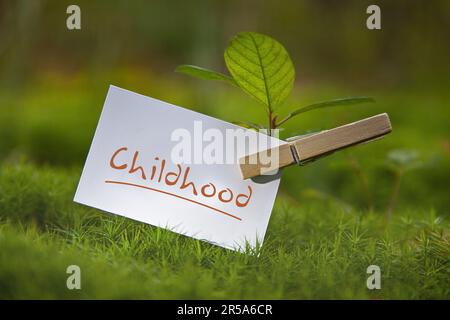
[261, 67]
[399, 162]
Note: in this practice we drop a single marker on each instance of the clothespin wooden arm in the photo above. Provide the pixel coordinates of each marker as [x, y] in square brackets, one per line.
[313, 146]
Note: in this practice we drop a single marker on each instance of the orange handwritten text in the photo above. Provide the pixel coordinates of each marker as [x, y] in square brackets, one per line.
[179, 178]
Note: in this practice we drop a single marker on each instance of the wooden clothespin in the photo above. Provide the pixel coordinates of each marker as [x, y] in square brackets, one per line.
[307, 148]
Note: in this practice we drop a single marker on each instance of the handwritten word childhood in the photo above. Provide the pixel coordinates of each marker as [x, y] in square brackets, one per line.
[123, 159]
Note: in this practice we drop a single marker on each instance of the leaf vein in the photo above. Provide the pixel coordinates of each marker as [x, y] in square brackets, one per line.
[243, 67]
[269, 104]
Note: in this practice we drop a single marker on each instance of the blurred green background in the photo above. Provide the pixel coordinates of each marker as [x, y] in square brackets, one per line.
[53, 82]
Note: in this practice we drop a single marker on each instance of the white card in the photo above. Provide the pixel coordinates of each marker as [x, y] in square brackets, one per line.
[124, 173]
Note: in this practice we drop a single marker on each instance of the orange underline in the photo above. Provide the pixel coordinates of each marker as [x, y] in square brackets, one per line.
[172, 194]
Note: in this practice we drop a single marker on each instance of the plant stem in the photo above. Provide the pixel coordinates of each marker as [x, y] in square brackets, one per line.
[270, 122]
[363, 179]
[283, 120]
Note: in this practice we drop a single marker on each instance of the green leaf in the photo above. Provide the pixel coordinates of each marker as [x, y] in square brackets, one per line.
[404, 159]
[326, 104]
[205, 74]
[261, 66]
[249, 125]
